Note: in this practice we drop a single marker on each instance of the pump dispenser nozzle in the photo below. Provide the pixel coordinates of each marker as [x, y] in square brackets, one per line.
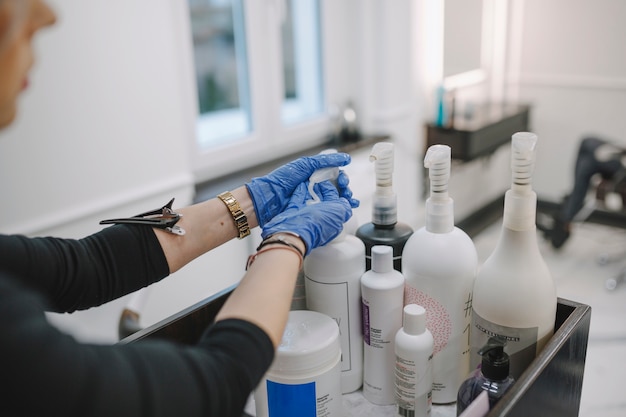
[495, 362]
[384, 211]
[521, 201]
[324, 174]
[493, 376]
[439, 206]
[523, 161]
[320, 175]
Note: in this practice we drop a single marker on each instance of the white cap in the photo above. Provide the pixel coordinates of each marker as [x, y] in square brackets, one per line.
[414, 321]
[382, 259]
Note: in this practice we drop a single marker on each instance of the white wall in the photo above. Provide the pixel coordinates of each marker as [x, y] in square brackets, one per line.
[573, 70]
[565, 58]
[103, 122]
[103, 132]
[385, 87]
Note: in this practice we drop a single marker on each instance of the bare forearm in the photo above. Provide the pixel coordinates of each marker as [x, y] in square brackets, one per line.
[207, 225]
[263, 296]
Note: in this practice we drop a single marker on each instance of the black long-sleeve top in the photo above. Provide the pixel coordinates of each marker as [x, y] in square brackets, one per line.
[46, 372]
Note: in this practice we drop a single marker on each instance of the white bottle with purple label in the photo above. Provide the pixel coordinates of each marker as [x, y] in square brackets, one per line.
[382, 292]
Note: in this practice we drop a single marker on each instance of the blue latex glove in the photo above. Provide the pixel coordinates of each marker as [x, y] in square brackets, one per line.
[316, 224]
[271, 193]
[343, 183]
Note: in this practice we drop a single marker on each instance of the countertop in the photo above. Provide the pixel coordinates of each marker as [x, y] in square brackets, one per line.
[355, 405]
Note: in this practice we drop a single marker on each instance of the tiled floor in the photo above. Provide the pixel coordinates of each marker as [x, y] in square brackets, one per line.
[580, 277]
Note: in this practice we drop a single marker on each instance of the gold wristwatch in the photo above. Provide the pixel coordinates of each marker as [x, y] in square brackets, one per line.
[241, 221]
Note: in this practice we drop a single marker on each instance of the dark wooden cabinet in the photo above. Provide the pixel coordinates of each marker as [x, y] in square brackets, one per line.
[489, 127]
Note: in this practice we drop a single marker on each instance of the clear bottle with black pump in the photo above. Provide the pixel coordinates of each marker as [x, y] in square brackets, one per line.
[493, 376]
[384, 229]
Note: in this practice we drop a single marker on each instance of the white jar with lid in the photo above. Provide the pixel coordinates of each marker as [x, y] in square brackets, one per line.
[305, 377]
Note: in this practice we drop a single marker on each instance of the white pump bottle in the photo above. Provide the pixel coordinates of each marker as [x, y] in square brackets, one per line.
[331, 174]
[333, 287]
[439, 263]
[332, 284]
[514, 294]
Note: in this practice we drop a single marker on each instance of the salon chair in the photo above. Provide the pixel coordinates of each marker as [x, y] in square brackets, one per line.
[609, 201]
[612, 195]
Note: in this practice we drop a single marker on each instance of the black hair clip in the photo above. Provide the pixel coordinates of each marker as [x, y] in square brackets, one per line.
[164, 218]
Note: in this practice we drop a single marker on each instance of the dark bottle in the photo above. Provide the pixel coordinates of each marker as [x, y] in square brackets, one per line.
[396, 236]
[384, 229]
[493, 376]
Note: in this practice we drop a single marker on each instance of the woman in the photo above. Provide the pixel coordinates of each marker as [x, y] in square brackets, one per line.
[45, 372]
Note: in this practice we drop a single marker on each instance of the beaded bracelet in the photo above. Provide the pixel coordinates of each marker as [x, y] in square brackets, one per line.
[289, 247]
[280, 241]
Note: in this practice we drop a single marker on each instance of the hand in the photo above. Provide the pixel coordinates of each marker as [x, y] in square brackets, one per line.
[316, 224]
[344, 190]
[271, 193]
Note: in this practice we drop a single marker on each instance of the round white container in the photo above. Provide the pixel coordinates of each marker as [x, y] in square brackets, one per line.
[305, 377]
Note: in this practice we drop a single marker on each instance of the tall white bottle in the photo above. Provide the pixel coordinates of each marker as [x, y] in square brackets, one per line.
[514, 294]
[298, 301]
[382, 292]
[332, 279]
[414, 365]
[439, 263]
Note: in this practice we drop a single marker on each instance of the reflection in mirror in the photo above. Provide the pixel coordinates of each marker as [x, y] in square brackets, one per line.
[462, 36]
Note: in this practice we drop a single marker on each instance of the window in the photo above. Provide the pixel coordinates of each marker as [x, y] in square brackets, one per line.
[221, 71]
[301, 61]
[259, 81]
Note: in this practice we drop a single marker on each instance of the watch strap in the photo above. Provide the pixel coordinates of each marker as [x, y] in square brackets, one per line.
[239, 217]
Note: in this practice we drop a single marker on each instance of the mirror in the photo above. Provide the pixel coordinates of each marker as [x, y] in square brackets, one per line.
[462, 38]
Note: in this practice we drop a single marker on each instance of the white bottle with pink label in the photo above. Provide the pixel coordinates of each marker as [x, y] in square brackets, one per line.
[439, 263]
